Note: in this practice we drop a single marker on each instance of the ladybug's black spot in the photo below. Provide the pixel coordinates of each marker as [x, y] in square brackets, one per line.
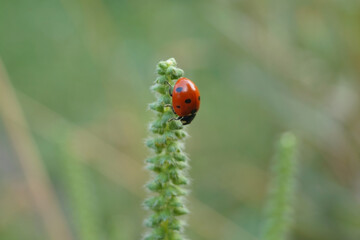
[179, 89]
[178, 106]
[199, 98]
[188, 100]
[193, 111]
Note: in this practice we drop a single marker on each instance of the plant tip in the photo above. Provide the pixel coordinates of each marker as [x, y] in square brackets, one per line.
[288, 140]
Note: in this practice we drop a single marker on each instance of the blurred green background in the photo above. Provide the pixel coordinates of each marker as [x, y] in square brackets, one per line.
[81, 71]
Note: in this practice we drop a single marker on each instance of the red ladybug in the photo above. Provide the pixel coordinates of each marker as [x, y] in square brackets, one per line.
[185, 100]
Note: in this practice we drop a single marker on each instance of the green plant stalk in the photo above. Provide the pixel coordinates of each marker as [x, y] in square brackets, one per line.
[168, 162]
[81, 198]
[280, 201]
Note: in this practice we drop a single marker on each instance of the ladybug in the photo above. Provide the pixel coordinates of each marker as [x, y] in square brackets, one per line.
[185, 100]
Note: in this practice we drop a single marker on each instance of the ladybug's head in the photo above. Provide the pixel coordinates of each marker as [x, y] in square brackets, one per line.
[187, 119]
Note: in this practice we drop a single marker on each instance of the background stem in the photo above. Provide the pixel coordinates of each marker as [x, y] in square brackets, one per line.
[280, 202]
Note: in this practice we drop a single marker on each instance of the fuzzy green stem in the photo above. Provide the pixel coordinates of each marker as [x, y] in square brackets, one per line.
[279, 205]
[168, 162]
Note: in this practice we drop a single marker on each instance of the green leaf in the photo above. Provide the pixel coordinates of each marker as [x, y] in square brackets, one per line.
[175, 125]
[154, 186]
[156, 106]
[162, 178]
[180, 134]
[171, 191]
[175, 224]
[179, 157]
[174, 72]
[178, 211]
[155, 203]
[154, 168]
[162, 89]
[154, 159]
[165, 99]
[175, 202]
[161, 80]
[179, 180]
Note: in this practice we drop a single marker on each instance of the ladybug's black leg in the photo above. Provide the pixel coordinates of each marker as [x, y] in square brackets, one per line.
[170, 88]
[174, 118]
[170, 106]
